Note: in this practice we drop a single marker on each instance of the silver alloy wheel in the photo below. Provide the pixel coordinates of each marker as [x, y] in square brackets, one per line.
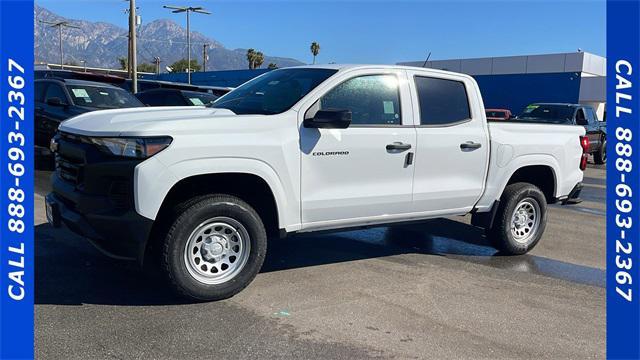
[525, 220]
[217, 250]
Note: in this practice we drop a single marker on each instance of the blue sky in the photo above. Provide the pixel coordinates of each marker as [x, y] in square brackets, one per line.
[376, 31]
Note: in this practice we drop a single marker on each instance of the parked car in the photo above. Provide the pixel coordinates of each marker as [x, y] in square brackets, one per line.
[175, 97]
[299, 150]
[215, 90]
[59, 99]
[78, 75]
[498, 114]
[572, 114]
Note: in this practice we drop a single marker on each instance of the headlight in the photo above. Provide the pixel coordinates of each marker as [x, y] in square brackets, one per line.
[140, 148]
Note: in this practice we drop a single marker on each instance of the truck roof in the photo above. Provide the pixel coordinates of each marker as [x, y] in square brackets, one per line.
[341, 67]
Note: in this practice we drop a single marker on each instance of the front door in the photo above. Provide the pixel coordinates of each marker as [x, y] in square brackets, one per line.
[365, 170]
[51, 116]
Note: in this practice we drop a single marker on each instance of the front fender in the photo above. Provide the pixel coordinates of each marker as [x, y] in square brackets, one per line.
[153, 181]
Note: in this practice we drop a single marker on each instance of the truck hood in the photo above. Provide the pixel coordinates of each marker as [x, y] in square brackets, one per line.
[120, 122]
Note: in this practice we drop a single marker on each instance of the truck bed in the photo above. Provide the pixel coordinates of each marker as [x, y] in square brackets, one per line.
[514, 145]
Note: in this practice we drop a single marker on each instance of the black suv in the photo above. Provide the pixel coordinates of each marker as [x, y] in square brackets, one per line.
[572, 114]
[59, 99]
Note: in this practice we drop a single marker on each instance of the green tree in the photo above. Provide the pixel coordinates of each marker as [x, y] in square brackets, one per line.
[124, 63]
[315, 50]
[255, 58]
[146, 67]
[181, 65]
[251, 58]
[259, 60]
[272, 66]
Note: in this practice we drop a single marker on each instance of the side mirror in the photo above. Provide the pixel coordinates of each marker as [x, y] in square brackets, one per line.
[55, 102]
[329, 119]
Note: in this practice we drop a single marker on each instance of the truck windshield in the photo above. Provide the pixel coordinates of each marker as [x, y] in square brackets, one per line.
[549, 113]
[274, 92]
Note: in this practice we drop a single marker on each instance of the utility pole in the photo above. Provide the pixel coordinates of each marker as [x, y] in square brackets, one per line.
[188, 9]
[157, 62]
[60, 25]
[204, 57]
[133, 64]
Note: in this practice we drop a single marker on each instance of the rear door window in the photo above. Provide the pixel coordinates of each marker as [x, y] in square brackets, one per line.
[442, 101]
[592, 117]
[581, 119]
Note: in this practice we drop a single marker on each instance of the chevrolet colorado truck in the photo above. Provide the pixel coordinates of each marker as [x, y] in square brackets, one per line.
[200, 190]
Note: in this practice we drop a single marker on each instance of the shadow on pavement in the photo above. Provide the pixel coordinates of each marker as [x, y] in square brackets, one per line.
[69, 271]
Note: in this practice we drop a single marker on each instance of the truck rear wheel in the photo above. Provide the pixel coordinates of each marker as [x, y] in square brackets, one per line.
[520, 219]
[600, 156]
[214, 248]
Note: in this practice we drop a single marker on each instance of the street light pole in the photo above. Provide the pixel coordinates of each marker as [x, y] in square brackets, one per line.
[134, 59]
[204, 57]
[60, 25]
[188, 9]
[188, 48]
[61, 53]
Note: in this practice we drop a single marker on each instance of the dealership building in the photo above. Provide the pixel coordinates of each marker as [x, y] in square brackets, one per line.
[513, 82]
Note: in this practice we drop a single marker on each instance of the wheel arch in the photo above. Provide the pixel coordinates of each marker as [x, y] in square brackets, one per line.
[542, 176]
[158, 188]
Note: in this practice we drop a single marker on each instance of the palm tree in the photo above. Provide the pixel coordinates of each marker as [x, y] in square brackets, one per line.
[251, 58]
[259, 59]
[315, 50]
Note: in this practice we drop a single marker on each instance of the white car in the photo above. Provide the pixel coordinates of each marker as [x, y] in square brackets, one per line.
[304, 149]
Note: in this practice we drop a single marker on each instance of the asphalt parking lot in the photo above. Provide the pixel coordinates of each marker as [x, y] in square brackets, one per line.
[434, 290]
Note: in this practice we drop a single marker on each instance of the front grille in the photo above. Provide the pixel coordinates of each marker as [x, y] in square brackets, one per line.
[69, 162]
[69, 170]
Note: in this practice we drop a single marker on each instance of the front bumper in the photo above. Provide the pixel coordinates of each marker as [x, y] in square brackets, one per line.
[92, 194]
[118, 234]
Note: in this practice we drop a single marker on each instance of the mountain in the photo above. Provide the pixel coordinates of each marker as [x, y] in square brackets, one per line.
[100, 44]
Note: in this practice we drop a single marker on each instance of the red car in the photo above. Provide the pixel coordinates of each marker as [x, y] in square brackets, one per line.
[498, 114]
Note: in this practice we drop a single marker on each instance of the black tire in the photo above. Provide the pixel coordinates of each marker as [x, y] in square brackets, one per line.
[501, 234]
[194, 213]
[600, 156]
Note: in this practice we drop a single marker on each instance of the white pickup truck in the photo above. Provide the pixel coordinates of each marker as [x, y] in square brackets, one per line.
[304, 149]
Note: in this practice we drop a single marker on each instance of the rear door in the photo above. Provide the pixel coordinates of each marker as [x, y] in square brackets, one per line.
[453, 144]
[364, 172]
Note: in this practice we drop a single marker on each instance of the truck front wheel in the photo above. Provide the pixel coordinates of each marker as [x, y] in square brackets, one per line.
[214, 248]
[520, 219]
